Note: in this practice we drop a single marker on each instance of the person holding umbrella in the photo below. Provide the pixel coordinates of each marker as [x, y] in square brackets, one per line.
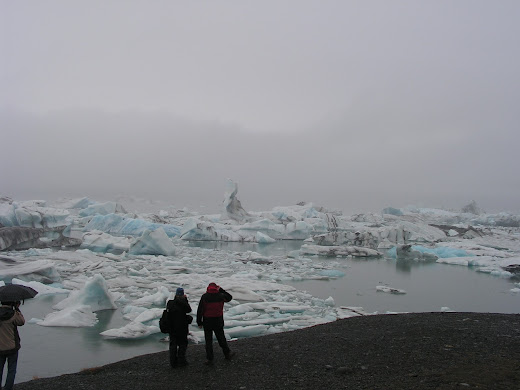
[10, 319]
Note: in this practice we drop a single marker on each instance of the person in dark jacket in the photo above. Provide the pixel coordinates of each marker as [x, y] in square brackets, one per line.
[210, 315]
[178, 308]
[10, 319]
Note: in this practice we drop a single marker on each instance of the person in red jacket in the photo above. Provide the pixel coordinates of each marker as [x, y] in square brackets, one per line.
[210, 315]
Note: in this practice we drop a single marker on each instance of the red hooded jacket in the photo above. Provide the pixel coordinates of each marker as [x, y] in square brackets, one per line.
[211, 303]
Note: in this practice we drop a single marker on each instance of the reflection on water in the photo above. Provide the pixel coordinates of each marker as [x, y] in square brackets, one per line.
[429, 286]
[51, 351]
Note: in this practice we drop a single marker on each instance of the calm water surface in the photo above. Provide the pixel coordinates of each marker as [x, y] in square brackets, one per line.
[51, 351]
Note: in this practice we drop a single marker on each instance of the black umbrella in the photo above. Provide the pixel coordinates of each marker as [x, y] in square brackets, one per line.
[16, 292]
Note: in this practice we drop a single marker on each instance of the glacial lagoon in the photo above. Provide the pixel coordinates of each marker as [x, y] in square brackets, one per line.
[51, 351]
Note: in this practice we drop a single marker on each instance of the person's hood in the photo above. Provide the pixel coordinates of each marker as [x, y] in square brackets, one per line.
[213, 288]
[6, 313]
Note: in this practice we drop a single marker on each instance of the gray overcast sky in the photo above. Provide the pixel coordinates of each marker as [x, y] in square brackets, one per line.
[355, 105]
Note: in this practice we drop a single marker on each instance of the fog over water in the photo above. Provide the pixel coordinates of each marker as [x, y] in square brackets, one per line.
[351, 105]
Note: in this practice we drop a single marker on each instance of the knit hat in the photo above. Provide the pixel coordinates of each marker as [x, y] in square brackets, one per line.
[180, 291]
[213, 288]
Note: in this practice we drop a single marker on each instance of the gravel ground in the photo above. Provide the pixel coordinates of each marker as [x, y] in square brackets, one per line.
[402, 351]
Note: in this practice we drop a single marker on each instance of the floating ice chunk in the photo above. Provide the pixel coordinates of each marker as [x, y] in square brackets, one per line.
[131, 312]
[38, 271]
[39, 217]
[332, 273]
[330, 302]
[157, 299]
[14, 237]
[142, 272]
[354, 251]
[245, 294]
[133, 330]
[408, 253]
[97, 241]
[238, 321]
[495, 271]
[262, 238]
[94, 293]
[390, 290]
[149, 315]
[196, 230]
[247, 331]
[366, 239]
[74, 316]
[43, 289]
[119, 225]
[153, 243]
[442, 251]
[102, 209]
[446, 309]
[464, 261]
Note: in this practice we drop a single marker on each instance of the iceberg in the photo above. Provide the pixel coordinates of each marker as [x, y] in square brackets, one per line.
[94, 293]
[154, 242]
[262, 238]
[13, 237]
[122, 226]
[232, 207]
[196, 230]
[157, 299]
[74, 316]
[335, 251]
[98, 241]
[35, 217]
[43, 271]
[408, 252]
[133, 330]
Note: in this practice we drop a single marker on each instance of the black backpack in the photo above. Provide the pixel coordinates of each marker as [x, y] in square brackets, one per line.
[164, 322]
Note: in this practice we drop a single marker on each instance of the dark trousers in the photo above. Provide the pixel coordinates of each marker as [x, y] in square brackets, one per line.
[216, 326]
[12, 362]
[178, 347]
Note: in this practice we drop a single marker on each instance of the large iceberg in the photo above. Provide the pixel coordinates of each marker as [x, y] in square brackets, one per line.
[153, 242]
[122, 226]
[16, 214]
[94, 294]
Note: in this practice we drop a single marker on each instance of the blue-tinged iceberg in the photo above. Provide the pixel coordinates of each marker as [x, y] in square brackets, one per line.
[119, 225]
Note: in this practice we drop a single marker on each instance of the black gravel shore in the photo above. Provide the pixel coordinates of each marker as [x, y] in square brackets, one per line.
[402, 351]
